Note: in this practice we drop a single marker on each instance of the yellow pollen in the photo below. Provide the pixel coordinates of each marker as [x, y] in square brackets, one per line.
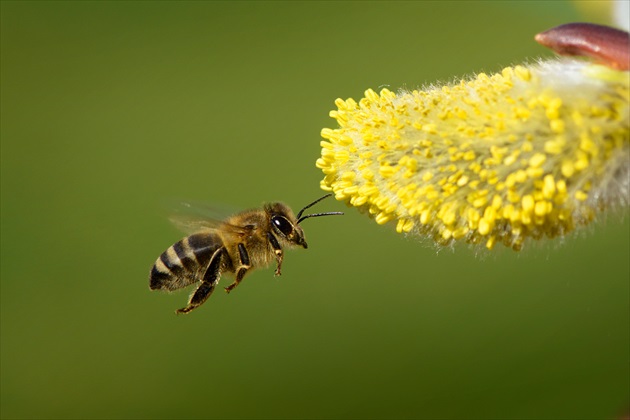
[498, 159]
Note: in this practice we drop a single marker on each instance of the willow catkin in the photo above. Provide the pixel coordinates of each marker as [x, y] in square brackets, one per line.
[531, 152]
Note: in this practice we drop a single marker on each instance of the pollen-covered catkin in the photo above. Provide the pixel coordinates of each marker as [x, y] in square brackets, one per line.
[531, 152]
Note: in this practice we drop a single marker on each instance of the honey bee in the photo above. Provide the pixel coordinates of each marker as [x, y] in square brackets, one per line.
[243, 242]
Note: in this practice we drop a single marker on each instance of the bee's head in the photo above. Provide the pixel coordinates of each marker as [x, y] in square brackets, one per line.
[287, 226]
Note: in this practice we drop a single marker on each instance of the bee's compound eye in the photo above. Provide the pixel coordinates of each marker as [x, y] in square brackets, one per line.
[282, 224]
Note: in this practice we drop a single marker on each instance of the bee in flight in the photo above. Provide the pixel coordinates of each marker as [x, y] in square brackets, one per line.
[243, 242]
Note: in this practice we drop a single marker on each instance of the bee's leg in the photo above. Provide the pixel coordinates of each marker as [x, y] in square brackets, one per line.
[239, 276]
[242, 269]
[278, 250]
[209, 281]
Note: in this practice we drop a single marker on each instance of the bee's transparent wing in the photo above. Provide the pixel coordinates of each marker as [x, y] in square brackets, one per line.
[192, 217]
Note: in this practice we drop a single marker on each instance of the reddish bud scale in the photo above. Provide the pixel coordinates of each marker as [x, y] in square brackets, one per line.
[608, 46]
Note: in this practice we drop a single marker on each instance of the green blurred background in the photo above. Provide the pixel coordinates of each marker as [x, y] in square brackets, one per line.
[109, 109]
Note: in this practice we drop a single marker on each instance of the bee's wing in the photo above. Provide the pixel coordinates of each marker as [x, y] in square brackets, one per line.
[192, 217]
[190, 225]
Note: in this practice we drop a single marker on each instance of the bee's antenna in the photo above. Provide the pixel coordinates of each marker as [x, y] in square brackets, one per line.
[332, 213]
[312, 204]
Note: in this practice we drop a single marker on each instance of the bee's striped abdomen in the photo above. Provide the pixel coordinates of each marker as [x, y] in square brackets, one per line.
[185, 262]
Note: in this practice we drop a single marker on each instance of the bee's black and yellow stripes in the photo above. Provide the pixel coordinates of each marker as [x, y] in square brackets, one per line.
[184, 263]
